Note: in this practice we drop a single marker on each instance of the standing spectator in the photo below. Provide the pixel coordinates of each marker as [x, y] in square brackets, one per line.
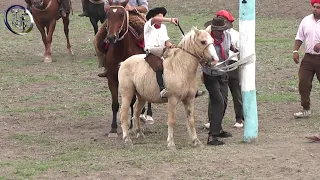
[309, 33]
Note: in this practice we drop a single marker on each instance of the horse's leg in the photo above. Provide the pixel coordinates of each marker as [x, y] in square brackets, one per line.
[172, 103]
[137, 109]
[66, 32]
[50, 30]
[94, 24]
[44, 40]
[113, 86]
[189, 108]
[150, 119]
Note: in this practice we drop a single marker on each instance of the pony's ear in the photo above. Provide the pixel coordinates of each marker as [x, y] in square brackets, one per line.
[196, 30]
[124, 3]
[110, 2]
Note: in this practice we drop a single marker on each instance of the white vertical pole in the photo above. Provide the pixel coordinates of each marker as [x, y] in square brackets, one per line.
[247, 72]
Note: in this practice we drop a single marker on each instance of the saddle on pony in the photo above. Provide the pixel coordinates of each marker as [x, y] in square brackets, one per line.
[136, 24]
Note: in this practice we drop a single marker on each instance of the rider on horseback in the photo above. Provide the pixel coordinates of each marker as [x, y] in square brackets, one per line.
[64, 7]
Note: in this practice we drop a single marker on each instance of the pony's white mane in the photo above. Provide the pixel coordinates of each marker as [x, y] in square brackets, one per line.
[188, 39]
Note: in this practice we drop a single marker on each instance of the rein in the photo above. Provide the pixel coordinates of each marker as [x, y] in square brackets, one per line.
[48, 5]
[120, 29]
[201, 59]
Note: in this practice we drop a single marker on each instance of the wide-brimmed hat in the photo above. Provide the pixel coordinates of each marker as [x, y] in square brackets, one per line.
[155, 11]
[218, 24]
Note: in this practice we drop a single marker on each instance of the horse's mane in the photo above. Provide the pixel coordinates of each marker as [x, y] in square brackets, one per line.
[185, 43]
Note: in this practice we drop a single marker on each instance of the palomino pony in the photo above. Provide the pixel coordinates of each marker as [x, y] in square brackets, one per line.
[122, 44]
[96, 13]
[180, 68]
[46, 13]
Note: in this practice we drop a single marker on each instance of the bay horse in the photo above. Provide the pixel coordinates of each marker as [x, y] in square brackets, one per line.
[96, 13]
[122, 44]
[180, 69]
[45, 14]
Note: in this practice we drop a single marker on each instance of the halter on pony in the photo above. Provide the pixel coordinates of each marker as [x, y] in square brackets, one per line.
[113, 8]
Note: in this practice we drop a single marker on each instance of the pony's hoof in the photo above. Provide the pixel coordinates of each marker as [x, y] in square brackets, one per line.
[128, 143]
[172, 147]
[149, 120]
[140, 135]
[143, 118]
[113, 135]
[47, 59]
[197, 143]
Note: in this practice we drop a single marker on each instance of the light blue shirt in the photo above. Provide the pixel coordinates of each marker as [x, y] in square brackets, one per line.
[133, 3]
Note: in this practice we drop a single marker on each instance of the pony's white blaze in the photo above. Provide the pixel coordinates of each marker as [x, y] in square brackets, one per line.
[213, 52]
[114, 10]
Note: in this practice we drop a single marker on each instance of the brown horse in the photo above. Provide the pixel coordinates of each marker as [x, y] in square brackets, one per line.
[46, 13]
[122, 44]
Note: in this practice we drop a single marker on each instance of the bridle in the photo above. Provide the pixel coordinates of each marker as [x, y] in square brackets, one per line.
[125, 19]
[48, 5]
[202, 60]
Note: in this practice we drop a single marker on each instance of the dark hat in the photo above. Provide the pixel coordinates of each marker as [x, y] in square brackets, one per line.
[218, 24]
[155, 11]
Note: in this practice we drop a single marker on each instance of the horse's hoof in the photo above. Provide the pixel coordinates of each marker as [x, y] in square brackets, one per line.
[113, 135]
[143, 118]
[197, 143]
[149, 120]
[70, 52]
[47, 60]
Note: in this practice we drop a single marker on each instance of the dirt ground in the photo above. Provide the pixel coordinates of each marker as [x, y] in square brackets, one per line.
[61, 134]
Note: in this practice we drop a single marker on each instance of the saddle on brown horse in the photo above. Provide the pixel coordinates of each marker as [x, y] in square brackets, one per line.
[136, 25]
[64, 6]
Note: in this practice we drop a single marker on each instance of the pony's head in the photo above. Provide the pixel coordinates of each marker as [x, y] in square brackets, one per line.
[37, 3]
[199, 43]
[118, 20]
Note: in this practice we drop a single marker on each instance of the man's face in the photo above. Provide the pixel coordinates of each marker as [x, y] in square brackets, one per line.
[217, 34]
[316, 10]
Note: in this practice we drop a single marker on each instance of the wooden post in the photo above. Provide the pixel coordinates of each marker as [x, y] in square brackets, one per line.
[247, 72]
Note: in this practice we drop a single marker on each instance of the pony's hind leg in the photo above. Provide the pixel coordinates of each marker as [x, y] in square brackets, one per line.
[66, 32]
[137, 109]
[189, 108]
[150, 119]
[124, 111]
[172, 103]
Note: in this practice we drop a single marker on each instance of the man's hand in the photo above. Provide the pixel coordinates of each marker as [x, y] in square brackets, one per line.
[174, 21]
[316, 48]
[129, 7]
[296, 57]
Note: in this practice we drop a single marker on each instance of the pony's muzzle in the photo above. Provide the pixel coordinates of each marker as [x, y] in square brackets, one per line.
[112, 39]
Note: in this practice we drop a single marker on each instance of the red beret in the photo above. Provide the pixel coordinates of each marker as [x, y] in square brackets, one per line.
[314, 1]
[227, 15]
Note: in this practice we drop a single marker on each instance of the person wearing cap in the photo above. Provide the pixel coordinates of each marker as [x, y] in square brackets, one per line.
[309, 33]
[234, 81]
[156, 39]
[215, 81]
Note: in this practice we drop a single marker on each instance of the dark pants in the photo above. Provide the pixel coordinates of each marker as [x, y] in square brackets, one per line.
[310, 65]
[217, 87]
[234, 86]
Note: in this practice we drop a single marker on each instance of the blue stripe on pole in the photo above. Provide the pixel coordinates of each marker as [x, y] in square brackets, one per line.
[251, 115]
[247, 10]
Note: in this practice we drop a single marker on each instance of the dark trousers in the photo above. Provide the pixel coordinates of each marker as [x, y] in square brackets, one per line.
[234, 86]
[310, 65]
[217, 87]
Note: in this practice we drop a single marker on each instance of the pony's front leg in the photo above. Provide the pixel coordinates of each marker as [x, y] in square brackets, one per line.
[172, 103]
[189, 108]
[137, 109]
[125, 105]
[66, 32]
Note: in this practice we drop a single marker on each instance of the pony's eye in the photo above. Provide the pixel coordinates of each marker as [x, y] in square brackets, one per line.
[204, 42]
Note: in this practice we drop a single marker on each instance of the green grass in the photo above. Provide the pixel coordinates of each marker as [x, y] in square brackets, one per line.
[277, 98]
